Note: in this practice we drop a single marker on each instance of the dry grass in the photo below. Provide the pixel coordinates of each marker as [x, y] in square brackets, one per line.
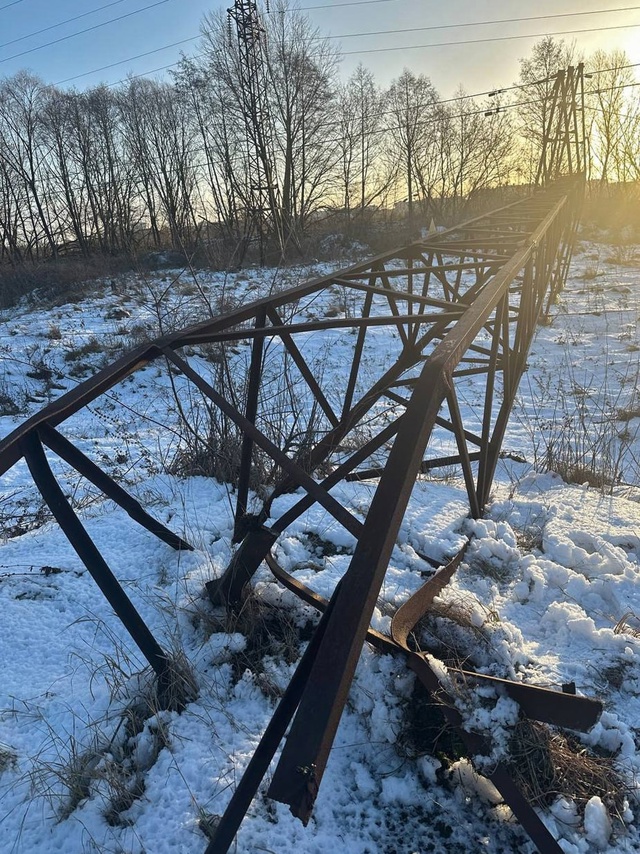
[461, 612]
[57, 282]
[88, 348]
[426, 731]
[547, 764]
[109, 767]
[178, 688]
[544, 763]
[9, 404]
[530, 539]
[271, 632]
[452, 629]
[625, 625]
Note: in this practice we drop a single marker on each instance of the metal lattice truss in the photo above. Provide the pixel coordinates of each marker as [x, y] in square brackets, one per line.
[263, 188]
[564, 136]
[458, 304]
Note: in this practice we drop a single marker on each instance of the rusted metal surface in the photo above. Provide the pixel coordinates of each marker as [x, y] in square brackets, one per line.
[499, 776]
[538, 703]
[314, 726]
[552, 707]
[462, 302]
[84, 466]
[271, 738]
[90, 555]
[564, 134]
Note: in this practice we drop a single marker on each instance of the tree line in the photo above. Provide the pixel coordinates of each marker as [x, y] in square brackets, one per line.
[169, 163]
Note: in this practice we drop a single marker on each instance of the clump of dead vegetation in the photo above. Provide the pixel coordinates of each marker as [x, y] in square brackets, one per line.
[547, 763]
[271, 632]
[114, 768]
[628, 624]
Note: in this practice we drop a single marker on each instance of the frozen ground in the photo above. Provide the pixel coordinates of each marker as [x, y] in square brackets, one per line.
[548, 594]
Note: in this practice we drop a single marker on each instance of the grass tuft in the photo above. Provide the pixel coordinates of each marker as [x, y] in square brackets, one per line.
[547, 764]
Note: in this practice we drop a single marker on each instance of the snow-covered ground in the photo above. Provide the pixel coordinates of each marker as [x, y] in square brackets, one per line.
[548, 593]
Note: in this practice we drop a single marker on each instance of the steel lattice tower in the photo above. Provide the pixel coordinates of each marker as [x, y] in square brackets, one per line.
[564, 138]
[263, 208]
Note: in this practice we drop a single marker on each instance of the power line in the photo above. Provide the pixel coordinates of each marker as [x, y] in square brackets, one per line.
[86, 30]
[360, 2]
[346, 35]
[387, 128]
[440, 102]
[338, 5]
[196, 169]
[6, 6]
[483, 23]
[480, 111]
[492, 39]
[519, 104]
[150, 71]
[618, 113]
[611, 88]
[615, 68]
[129, 59]
[54, 26]
[336, 123]
[372, 50]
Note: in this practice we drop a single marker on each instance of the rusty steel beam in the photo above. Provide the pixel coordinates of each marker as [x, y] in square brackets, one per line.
[251, 410]
[90, 555]
[557, 708]
[87, 468]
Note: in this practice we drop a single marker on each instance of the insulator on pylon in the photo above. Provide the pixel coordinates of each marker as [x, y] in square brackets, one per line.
[267, 5]
[229, 27]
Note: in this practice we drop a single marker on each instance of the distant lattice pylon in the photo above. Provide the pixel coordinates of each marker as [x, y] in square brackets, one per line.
[563, 142]
[263, 208]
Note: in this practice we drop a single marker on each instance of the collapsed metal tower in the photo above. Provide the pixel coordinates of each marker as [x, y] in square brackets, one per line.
[458, 304]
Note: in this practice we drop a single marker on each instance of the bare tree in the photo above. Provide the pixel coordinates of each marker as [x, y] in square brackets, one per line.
[161, 142]
[630, 144]
[294, 144]
[477, 144]
[23, 155]
[206, 98]
[607, 102]
[414, 117]
[59, 116]
[241, 139]
[363, 177]
[302, 72]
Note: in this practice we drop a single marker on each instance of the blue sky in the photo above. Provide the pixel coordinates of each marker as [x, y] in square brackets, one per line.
[477, 66]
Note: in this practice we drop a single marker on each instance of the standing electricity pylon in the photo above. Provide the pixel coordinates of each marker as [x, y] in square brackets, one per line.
[564, 149]
[263, 206]
[564, 138]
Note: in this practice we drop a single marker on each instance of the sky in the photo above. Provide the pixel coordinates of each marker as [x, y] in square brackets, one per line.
[141, 36]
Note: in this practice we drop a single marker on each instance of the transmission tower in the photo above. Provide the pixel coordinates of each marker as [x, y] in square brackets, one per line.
[263, 207]
[564, 138]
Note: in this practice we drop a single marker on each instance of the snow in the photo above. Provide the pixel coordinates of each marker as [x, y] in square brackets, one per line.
[549, 592]
[597, 824]
[474, 783]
